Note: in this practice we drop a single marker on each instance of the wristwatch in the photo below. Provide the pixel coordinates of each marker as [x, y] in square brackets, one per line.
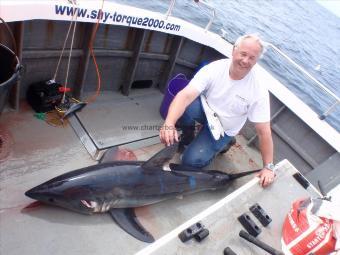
[270, 166]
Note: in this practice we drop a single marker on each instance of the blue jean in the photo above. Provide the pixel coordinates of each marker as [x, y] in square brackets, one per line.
[202, 150]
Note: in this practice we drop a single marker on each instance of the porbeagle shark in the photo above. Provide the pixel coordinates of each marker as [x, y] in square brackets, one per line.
[117, 187]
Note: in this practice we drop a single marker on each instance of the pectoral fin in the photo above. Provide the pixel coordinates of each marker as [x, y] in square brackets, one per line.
[127, 220]
[118, 154]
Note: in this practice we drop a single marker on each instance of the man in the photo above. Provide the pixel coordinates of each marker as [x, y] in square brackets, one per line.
[221, 97]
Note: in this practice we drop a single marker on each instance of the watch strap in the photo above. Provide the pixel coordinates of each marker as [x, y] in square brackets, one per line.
[270, 166]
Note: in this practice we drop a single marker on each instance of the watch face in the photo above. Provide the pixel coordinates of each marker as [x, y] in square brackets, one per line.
[270, 166]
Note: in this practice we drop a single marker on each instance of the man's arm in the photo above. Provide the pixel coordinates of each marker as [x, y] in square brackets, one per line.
[263, 131]
[168, 133]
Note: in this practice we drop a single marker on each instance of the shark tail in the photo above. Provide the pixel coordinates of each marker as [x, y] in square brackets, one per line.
[238, 175]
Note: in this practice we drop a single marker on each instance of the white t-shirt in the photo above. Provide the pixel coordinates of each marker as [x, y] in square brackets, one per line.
[232, 100]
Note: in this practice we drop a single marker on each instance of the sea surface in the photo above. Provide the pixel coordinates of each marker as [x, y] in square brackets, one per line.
[303, 29]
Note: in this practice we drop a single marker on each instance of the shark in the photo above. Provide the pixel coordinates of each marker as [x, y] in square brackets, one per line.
[118, 187]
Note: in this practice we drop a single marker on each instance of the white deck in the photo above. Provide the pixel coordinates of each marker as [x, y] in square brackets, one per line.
[40, 152]
[116, 119]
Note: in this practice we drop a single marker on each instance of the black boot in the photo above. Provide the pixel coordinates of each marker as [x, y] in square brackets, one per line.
[227, 147]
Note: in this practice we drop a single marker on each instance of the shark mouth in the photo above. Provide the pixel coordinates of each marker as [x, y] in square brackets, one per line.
[89, 204]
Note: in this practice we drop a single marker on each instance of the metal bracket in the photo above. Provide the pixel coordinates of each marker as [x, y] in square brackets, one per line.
[260, 214]
[249, 225]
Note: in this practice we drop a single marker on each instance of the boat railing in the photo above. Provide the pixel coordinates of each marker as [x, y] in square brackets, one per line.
[332, 95]
[318, 83]
[201, 2]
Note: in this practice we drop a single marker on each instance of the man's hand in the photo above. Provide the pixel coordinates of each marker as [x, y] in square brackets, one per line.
[168, 134]
[266, 177]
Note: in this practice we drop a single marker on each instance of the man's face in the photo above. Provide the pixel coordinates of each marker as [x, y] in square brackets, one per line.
[245, 56]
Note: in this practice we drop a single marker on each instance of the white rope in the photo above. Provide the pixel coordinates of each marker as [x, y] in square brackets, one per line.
[70, 55]
[62, 51]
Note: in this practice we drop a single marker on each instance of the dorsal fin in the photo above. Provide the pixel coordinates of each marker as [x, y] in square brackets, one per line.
[158, 160]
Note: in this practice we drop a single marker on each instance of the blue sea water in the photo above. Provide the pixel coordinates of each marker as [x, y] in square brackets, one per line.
[303, 29]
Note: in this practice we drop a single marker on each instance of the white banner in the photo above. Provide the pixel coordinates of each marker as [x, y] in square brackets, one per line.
[112, 14]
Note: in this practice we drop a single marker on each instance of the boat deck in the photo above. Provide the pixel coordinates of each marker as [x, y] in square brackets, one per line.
[39, 152]
[32, 151]
[221, 218]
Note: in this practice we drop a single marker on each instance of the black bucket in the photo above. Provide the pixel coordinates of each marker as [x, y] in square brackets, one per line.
[9, 73]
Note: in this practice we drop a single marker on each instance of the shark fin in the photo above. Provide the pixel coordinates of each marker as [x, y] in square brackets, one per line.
[157, 161]
[127, 220]
[118, 154]
[109, 155]
[241, 174]
[178, 167]
[182, 168]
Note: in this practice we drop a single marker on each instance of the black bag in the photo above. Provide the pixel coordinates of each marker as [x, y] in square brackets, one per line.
[44, 96]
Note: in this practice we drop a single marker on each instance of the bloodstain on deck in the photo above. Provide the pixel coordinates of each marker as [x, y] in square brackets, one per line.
[6, 142]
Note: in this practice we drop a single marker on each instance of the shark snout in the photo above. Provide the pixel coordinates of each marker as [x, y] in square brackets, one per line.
[32, 193]
[37, 193]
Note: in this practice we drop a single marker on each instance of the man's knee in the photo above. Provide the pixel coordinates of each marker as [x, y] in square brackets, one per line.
[195, 159]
